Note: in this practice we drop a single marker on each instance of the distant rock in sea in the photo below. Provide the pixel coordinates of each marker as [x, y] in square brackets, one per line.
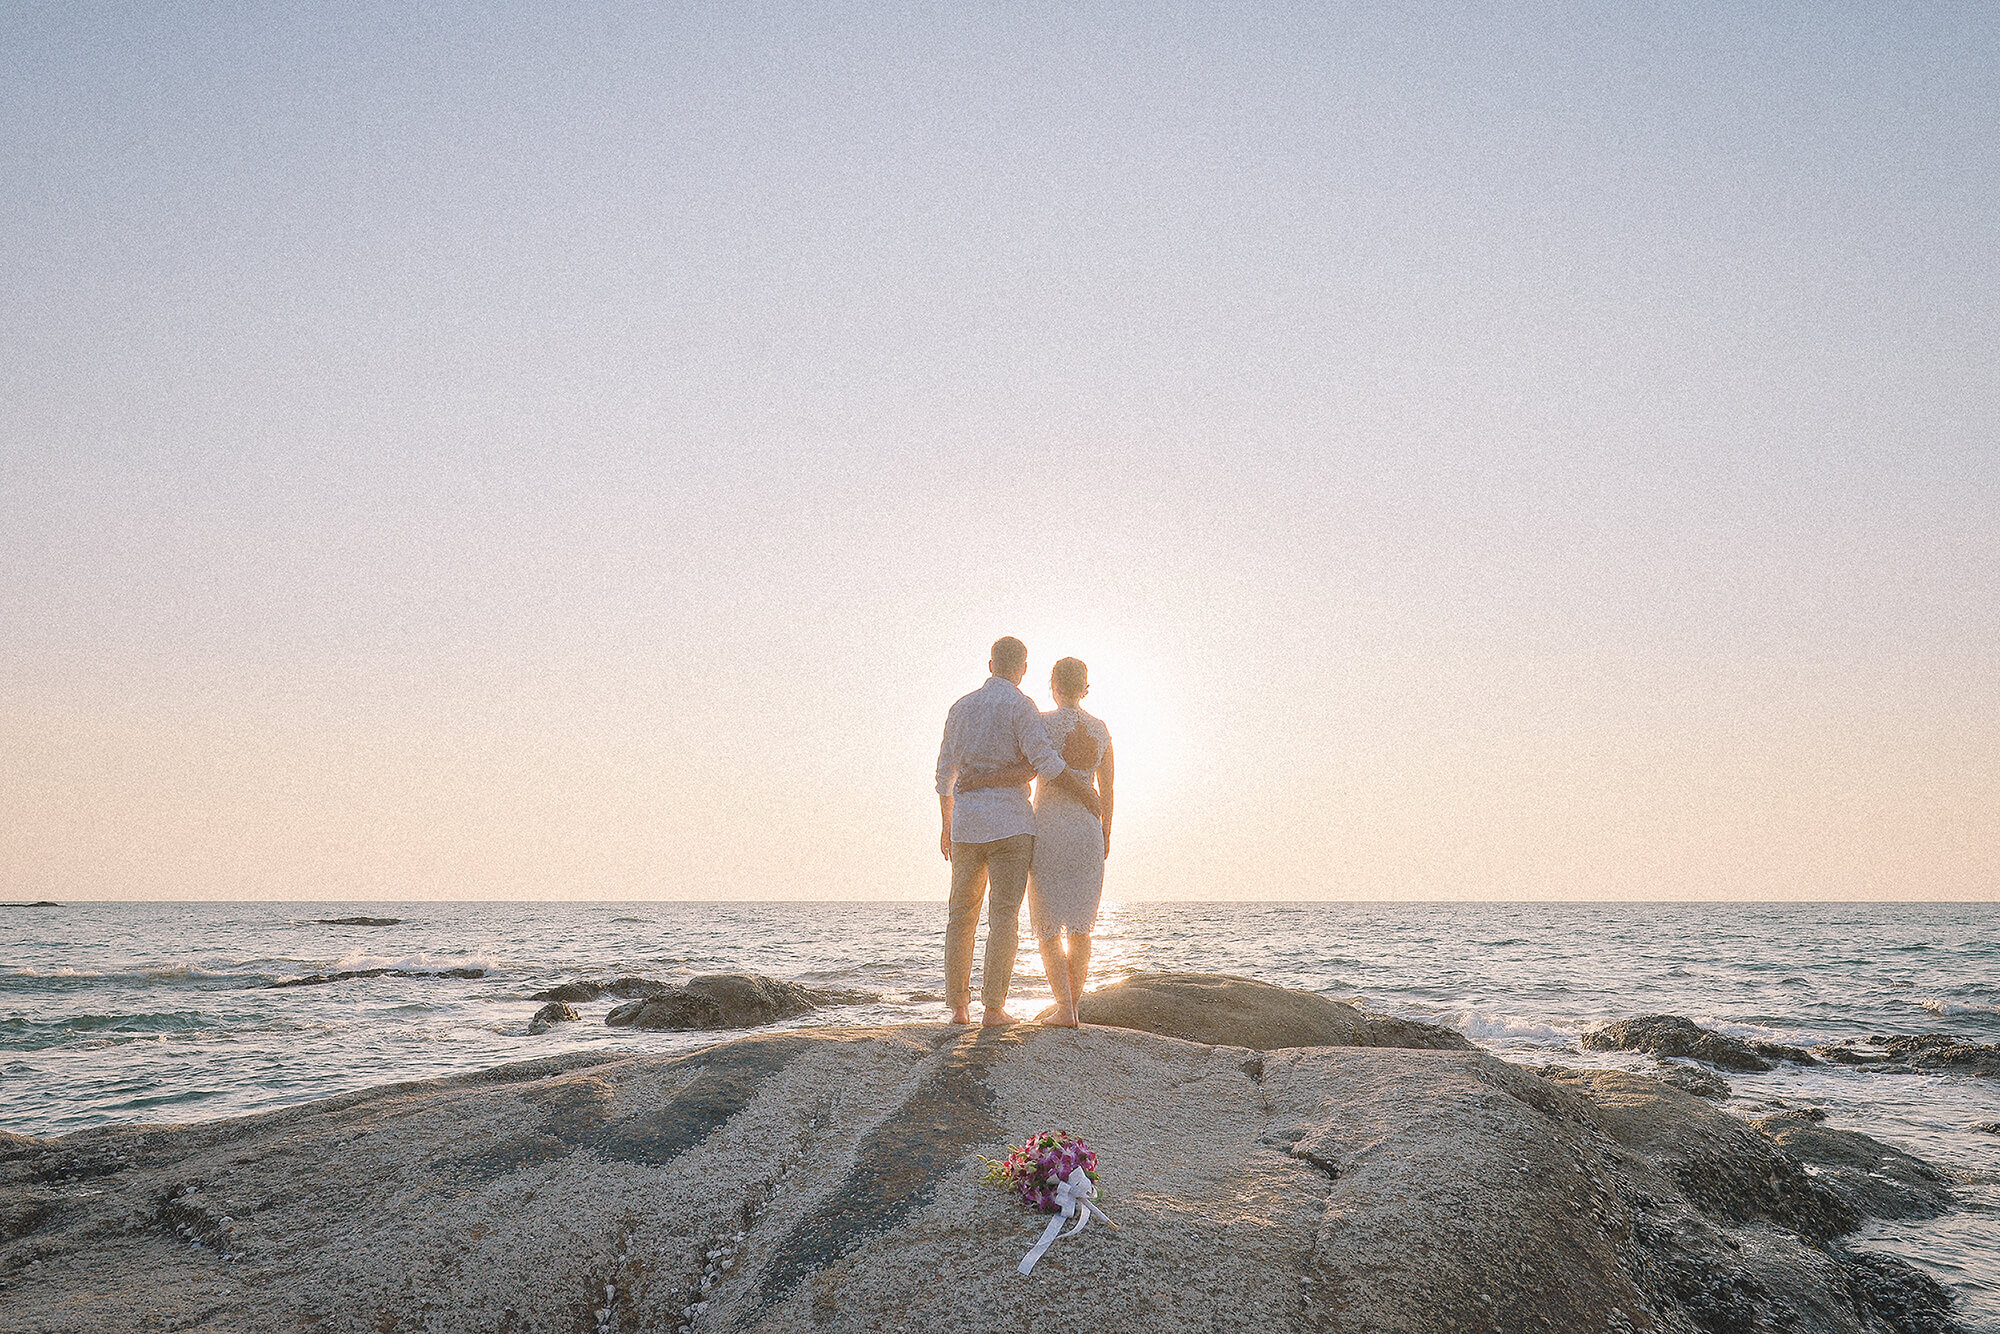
[1664, 1035]
[828, 1180]
[358, 921]
[38, 903]
[1243, 1012]
[322, 979]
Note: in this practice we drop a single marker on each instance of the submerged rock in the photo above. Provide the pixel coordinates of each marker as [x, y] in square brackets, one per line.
[1241, 1012]
[1665, 1035]
[828, 1179]
[546, 1018]
[720, 1000]
[1840, 1054]
[358, 921]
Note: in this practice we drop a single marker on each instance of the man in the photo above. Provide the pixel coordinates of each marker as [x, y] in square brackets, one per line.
[989, 833]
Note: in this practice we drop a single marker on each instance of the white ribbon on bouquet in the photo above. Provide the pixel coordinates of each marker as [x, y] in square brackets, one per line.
[1073, 1198]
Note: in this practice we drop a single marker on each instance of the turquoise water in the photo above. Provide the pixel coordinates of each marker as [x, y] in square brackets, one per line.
[164, 1012]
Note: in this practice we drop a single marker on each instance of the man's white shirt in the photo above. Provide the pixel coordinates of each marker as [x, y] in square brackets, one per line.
[993, 727]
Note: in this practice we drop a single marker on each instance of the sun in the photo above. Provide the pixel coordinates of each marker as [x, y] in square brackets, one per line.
[1128, 691]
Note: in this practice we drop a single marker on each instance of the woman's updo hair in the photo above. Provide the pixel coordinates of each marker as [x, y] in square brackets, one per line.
[1069, 677]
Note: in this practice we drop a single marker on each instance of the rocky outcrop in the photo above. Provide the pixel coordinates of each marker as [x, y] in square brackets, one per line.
[1664, 1035]
[358, 921]
[828, 1179]
[1242, 1012]
[555, 1012]
[1869, 1176]
[721, 1000]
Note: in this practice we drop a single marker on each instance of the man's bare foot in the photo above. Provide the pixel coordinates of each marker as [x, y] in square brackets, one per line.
[996, 1019]
[962, 1015]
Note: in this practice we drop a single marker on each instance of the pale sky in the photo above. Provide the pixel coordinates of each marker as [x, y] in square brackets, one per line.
[581, 450]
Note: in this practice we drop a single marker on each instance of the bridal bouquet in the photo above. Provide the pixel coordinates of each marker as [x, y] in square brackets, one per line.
[1057, 1173]
[1037, 1168]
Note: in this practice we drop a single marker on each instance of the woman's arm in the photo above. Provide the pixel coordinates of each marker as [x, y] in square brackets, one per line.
[1105, 773]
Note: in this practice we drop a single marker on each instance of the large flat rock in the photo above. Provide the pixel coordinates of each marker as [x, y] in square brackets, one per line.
[829, 1180]
[1243, 1012]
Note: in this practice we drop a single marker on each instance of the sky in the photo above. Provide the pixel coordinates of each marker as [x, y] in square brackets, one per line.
[580, 451]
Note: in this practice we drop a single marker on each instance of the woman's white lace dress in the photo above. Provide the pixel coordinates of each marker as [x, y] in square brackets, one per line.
[1067, 878]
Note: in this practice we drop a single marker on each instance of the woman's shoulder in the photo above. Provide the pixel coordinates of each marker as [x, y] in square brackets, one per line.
[1095, 724]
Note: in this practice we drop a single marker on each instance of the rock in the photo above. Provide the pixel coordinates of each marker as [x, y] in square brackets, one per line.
[546, 1018]
[1240, 1012]
[1838, 1054]
[322, 979]
[720, 1000]
[828, 1179]
[1778, 1051]
[1987, 1127]
[625, 988]
[1693, 1079]
[1719, 1164]
[1670, 1035]
[570, 991]
[359, 921]
[1942, 1051]
[1870, 1176]
[38, 903]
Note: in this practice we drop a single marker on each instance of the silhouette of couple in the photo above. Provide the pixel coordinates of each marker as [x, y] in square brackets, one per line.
[1002, 846]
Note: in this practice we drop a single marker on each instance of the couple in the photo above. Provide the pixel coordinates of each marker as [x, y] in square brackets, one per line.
[995, 743]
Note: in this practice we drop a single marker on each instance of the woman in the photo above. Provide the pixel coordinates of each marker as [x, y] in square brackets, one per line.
[1066, 879]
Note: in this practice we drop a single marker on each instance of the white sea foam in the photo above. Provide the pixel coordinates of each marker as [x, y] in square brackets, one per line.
[1944, 1009]
[423, 961]
[1508, 1029]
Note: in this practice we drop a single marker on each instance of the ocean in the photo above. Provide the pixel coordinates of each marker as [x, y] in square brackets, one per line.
[168, 1012]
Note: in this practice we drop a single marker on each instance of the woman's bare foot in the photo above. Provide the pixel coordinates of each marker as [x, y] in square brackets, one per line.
[1066, 1019]
[996, 1019]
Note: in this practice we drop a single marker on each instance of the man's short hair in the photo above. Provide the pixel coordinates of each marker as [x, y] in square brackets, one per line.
[1009, 653]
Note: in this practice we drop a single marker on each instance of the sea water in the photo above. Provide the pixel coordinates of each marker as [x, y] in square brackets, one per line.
[167, 1012]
